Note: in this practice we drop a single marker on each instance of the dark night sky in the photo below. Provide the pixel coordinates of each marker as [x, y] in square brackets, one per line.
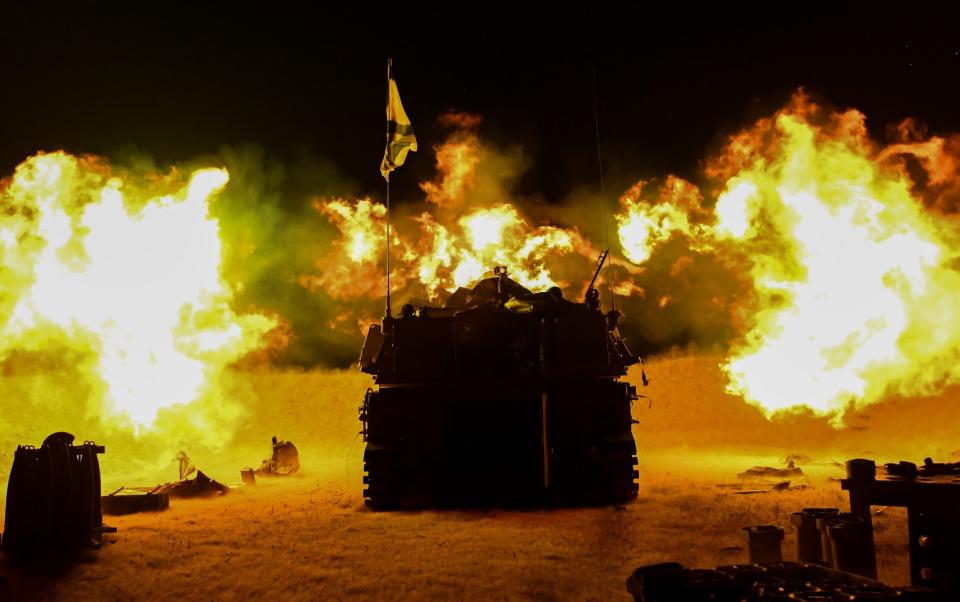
[176, 81]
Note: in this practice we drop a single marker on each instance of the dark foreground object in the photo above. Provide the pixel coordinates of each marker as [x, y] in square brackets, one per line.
[763, 543]
[131, 501]
[502, 396]
[786, 581]
[199, 486]
[53, 500]
[931, 495]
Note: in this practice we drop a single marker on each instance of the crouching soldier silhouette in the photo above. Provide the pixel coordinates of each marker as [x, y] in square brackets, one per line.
[284, 461]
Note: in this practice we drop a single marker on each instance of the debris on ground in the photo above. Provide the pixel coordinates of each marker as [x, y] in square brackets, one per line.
[764, 479]
[781, 486]
[805, 460]
[764, 472]
[130, 500]
[199, 486]
[751, 487]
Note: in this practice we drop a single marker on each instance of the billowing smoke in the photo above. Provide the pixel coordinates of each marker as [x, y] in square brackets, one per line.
[273, 236]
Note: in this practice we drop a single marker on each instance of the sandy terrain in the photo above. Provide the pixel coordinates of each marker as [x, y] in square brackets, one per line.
[310, 537]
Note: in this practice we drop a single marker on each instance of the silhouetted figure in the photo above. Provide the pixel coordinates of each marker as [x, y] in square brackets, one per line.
[284, 461]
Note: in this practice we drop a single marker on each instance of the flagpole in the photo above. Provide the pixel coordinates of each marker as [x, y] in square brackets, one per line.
[389, 314]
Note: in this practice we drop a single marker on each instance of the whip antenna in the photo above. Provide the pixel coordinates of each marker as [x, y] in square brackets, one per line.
[603, 198]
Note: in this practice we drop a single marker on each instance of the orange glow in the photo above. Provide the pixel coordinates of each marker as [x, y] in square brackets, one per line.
[130, 280]
[848, 270]
[852, 276]
[456, 163]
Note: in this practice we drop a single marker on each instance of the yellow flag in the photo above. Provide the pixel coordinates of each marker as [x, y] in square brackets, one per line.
[400, 138]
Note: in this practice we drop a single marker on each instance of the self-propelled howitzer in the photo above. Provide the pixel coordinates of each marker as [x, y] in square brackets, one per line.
[500, 396]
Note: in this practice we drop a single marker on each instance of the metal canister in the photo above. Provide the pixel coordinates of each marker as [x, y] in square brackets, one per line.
[848, 539]
[860, 468]
[764, 543]
[809, 547]
[826, 548]
[657, 582]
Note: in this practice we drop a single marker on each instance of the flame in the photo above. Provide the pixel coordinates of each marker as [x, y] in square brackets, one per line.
[500, 236]
[362, 222]
[352, 266]
[90, 262]
[852, 276]
[441, 258]
[854, 267]
[456, 163]
[642, 224]
[435, 252]
[845, 254]
[938, 158]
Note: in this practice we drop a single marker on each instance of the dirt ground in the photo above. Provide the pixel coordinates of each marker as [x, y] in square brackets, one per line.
[310, 537]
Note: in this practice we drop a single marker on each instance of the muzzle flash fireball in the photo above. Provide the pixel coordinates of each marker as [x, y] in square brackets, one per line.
[125, 272]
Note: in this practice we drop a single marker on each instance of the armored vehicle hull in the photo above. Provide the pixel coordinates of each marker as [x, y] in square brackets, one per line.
[498, 403]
